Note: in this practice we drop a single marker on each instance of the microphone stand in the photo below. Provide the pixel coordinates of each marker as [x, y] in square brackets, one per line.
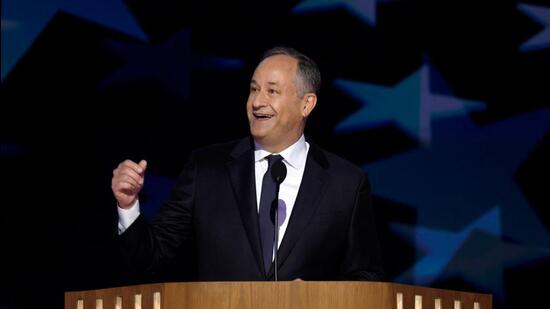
[275, 260]
[278, 172]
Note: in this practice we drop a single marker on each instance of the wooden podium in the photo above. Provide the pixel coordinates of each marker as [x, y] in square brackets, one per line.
[280, 295]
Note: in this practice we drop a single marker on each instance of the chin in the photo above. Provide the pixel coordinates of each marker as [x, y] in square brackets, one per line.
[259, 130]
[257, 134]
[260, 136]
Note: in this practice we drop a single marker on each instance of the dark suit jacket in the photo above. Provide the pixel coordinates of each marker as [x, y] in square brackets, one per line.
[330, 235]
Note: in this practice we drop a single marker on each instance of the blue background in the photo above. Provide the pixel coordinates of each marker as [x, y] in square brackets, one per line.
[445, 105]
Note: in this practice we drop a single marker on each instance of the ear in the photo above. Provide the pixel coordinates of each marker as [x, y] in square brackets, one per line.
[310, 100]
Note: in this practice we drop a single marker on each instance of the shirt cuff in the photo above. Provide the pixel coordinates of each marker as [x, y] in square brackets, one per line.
[127, 216]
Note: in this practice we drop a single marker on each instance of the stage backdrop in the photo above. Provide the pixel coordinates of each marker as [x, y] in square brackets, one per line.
[445, 104]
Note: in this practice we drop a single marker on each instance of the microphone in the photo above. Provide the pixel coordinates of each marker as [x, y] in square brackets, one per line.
[278, 173]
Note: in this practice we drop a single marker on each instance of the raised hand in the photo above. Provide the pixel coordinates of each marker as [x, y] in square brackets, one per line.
[127, 182]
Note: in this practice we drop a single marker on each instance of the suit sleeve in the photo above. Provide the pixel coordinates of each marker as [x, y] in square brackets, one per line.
[146, 246]
[362, 259]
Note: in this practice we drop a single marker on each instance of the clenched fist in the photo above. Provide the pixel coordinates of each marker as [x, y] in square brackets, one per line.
[127, 181]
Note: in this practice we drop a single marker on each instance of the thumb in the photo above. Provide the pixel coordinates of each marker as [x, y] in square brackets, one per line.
[143, 164]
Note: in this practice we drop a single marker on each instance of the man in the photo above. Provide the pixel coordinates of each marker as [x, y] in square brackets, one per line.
[220, 202]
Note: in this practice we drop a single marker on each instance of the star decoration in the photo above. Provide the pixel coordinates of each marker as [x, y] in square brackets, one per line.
[364, 9]
[24, 20]
[440, 246]
[542, 15]
[410, 104]
[168, 63]
[483, 258]
[466, 171]
[475, 254]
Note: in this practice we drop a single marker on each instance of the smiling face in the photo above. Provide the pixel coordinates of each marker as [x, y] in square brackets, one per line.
[276, 113]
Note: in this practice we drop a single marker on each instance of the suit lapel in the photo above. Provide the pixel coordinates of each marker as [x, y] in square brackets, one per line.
[241, 172]
[313, 185]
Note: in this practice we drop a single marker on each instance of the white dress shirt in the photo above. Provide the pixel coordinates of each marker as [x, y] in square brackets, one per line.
[294, 158]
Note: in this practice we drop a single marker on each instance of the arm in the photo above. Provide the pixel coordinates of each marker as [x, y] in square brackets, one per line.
[146, 246]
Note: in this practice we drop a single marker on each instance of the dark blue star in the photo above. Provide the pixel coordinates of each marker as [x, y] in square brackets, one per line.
[542, 15]
[364, 9]
[23, 20]
[435, 248]
[466, 171]
[168, 64]
[476, 254]
[410, 104]
[483, 258]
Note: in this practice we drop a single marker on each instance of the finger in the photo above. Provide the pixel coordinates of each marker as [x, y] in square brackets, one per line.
[126, 187]
[133, 165]
[143, 164]
[125, 173]
[129, 179]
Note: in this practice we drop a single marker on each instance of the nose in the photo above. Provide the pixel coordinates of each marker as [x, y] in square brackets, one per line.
[259, 101]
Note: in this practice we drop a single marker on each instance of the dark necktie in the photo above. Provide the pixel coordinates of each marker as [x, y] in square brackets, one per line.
[267, 228]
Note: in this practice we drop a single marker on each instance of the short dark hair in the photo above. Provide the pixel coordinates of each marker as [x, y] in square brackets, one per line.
[308, 74]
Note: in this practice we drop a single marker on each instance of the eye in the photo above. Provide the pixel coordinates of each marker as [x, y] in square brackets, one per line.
[253, 89]
[272, 91]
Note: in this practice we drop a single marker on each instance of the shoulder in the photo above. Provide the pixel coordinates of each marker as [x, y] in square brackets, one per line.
[221, 151]
[336, 165]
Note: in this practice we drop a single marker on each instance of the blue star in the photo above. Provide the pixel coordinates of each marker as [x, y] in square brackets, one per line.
[169, 63]
[24, 20]
[440, 246]
[475, 254]
[466, 171]
[410, 104]
[483, 258]
[364, 9]
[542, 15]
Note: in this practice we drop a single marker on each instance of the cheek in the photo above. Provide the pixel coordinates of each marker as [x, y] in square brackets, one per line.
[295, 113]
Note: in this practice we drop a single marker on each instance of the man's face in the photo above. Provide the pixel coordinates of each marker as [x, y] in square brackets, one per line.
[276, 113]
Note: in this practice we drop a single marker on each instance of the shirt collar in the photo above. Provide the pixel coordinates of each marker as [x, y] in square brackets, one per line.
[294, 155]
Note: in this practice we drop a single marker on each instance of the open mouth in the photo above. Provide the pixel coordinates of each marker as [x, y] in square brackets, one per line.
[261, 116]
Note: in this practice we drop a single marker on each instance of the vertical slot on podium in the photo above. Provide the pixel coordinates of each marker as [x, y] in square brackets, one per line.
[457, 304]
[80, 304]
[476, 305]
[156, 300]
[99, 303]
[137, 301]
[417, 301]
[399, 300]
[437, 303]
[118, 302]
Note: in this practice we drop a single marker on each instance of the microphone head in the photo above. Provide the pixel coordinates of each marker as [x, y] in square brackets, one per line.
[278, 172]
